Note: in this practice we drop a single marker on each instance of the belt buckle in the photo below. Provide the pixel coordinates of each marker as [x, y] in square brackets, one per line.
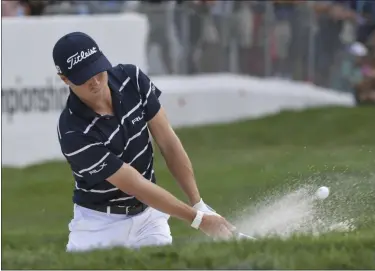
[126, 209]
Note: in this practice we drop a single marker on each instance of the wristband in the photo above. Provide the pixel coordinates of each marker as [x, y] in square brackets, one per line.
[197, 220]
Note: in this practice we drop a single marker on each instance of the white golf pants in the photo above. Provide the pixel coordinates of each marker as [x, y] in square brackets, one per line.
[91, 229]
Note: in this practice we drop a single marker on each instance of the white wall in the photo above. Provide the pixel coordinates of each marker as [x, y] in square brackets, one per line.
[220, 98]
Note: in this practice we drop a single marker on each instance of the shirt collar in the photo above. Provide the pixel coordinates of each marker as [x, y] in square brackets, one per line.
[79, 108]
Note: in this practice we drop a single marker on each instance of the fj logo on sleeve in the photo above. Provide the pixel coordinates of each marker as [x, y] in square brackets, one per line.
[94, 171]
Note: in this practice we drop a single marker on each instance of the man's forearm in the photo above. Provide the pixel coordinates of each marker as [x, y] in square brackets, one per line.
[130, 181]
[181, 168]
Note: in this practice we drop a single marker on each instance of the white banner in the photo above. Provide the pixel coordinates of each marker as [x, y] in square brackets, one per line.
[33, 95]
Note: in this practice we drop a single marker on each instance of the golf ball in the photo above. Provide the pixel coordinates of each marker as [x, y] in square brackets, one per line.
[322, 192]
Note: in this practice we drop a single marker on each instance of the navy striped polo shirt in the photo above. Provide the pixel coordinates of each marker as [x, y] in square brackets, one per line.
[96, 146]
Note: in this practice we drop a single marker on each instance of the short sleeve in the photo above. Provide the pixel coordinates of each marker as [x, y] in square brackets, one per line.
[150, 94]
[89, 158]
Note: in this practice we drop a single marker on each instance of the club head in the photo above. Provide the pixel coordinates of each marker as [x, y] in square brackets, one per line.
[241, 235]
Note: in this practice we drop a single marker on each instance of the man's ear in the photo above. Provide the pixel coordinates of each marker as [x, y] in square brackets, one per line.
[64, 78]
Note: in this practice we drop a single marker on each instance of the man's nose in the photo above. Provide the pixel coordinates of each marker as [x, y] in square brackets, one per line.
[95, 81]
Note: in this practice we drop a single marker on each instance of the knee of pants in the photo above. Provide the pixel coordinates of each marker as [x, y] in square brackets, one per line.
[155, 240]
[72, 246]
[115, 236]
[75, 248]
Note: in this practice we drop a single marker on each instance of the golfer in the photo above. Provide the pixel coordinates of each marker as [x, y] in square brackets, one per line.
[105, 135]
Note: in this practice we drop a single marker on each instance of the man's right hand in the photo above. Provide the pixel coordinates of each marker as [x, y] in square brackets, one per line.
[217, 227]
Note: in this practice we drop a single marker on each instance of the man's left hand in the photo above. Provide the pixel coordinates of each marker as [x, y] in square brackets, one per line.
[201, 206]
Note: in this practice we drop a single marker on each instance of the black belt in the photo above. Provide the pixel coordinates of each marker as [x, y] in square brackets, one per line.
[122, 210]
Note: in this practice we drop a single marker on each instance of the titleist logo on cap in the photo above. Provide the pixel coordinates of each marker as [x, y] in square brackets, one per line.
[78, 57]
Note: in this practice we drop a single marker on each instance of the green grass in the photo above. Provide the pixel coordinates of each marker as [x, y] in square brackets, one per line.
[245, 161]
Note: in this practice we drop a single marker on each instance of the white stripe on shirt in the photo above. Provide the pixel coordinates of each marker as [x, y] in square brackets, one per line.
[96, 191]
[140, 153]
[58, 130]
[152, 173]
[90, 125]
[124, 198]
[149, 164]
[137, 75]
[112, 135]
[135, 136]
[124, 84]
[83, 149]
[130, 112]
[148, 94]
[79, 175]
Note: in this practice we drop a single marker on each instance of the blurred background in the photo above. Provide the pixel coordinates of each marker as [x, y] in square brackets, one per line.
[328, 43]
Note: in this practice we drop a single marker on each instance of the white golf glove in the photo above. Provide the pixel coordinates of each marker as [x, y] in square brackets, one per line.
[203, 207]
